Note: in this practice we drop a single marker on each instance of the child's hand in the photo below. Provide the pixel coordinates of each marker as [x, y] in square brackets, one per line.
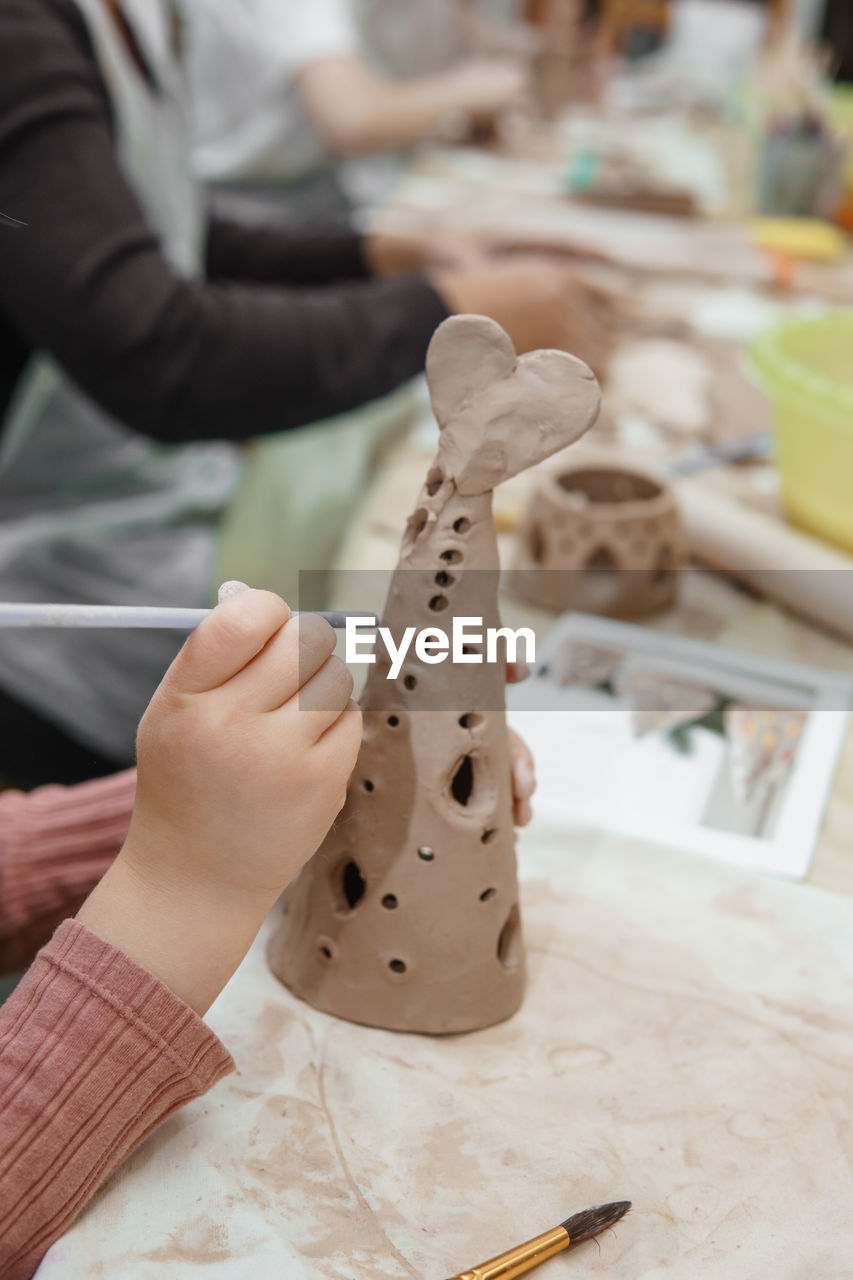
[238, 780]
[523, 779]
[520, 758]
[244, 756]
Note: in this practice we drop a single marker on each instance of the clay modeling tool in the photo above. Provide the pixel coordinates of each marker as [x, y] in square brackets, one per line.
[10, 222]
[137, 617]
[705, 456]
[522, 1259]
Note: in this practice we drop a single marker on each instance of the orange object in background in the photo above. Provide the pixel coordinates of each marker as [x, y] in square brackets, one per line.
[789, 241]
[784, 268]
[844, 217]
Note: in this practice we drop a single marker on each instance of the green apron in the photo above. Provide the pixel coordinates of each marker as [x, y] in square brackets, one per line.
[299, 491]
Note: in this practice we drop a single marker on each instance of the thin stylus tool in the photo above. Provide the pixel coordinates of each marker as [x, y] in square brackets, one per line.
[136, 617]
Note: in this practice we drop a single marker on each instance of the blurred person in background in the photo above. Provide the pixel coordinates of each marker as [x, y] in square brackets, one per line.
[141, 342]
[287, 95]
[837, 34]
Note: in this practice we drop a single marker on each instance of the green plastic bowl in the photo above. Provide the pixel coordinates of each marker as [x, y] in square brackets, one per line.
[806, 368]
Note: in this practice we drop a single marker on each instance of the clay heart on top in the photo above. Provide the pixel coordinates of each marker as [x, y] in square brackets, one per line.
[500, 413]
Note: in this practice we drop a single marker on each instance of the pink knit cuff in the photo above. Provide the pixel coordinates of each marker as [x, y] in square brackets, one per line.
[55, 844]
[59, 821]
[143, 1001]
[95, 1053]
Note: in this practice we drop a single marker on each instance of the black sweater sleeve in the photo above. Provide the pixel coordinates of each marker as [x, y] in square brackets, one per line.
[173, 358]
[291, 255]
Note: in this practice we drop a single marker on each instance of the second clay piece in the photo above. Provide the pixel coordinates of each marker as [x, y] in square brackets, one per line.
[600, 538]
[407, 917]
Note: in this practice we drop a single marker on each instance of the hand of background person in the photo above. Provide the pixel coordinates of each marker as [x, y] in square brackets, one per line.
[244, 755]
[395, 253]
[484, 89]
[520, 758]
[539, 301]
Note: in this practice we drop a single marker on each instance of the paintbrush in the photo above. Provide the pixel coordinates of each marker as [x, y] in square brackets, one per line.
[132, 616]
[524, 1257]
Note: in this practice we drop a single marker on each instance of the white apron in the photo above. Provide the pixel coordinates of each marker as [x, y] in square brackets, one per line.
[89, 510]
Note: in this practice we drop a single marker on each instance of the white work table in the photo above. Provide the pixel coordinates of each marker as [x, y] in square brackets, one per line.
[686, 1042]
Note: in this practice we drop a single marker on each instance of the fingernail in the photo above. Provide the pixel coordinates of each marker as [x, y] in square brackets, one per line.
[229, 589]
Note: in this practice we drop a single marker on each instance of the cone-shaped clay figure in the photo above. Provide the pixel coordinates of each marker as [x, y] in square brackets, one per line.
[407, 917]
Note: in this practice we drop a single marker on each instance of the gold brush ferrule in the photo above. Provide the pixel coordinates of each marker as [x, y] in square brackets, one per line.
[521, 1259]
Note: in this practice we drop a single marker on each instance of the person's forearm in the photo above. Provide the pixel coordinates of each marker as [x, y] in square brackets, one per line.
[55, 844]
[410, 112]
[191, 937]
[356, 112]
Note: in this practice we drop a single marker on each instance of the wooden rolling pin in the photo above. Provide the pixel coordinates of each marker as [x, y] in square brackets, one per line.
[810, 577]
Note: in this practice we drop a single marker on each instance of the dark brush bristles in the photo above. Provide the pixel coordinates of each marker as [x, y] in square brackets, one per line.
[583, 1226]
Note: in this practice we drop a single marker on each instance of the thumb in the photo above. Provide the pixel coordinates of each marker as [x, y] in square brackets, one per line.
[228, 639]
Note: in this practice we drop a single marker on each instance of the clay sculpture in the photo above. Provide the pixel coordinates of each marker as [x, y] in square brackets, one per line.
[602, 538]
[407, 917]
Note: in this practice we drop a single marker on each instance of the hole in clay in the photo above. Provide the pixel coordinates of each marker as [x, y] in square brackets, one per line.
[488, 835]
[410, 682]
[368, 785]
[417, 523]
[389, 902]
[352, 884]
[509, 940]
[664, 567]
[434, 481]
[537, 545]
[397, 966]
[452, 556]
[438, 604]
[443, 579]
[470, 648]
[393, 721]
[598, 559]
[487, 895]
[426, 853]
[462, 783]
[462, 525]
[325, 951]
[471, 720]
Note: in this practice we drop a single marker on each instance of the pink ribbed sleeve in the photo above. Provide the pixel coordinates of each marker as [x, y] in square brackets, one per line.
[95, 1052]
[55, 844]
